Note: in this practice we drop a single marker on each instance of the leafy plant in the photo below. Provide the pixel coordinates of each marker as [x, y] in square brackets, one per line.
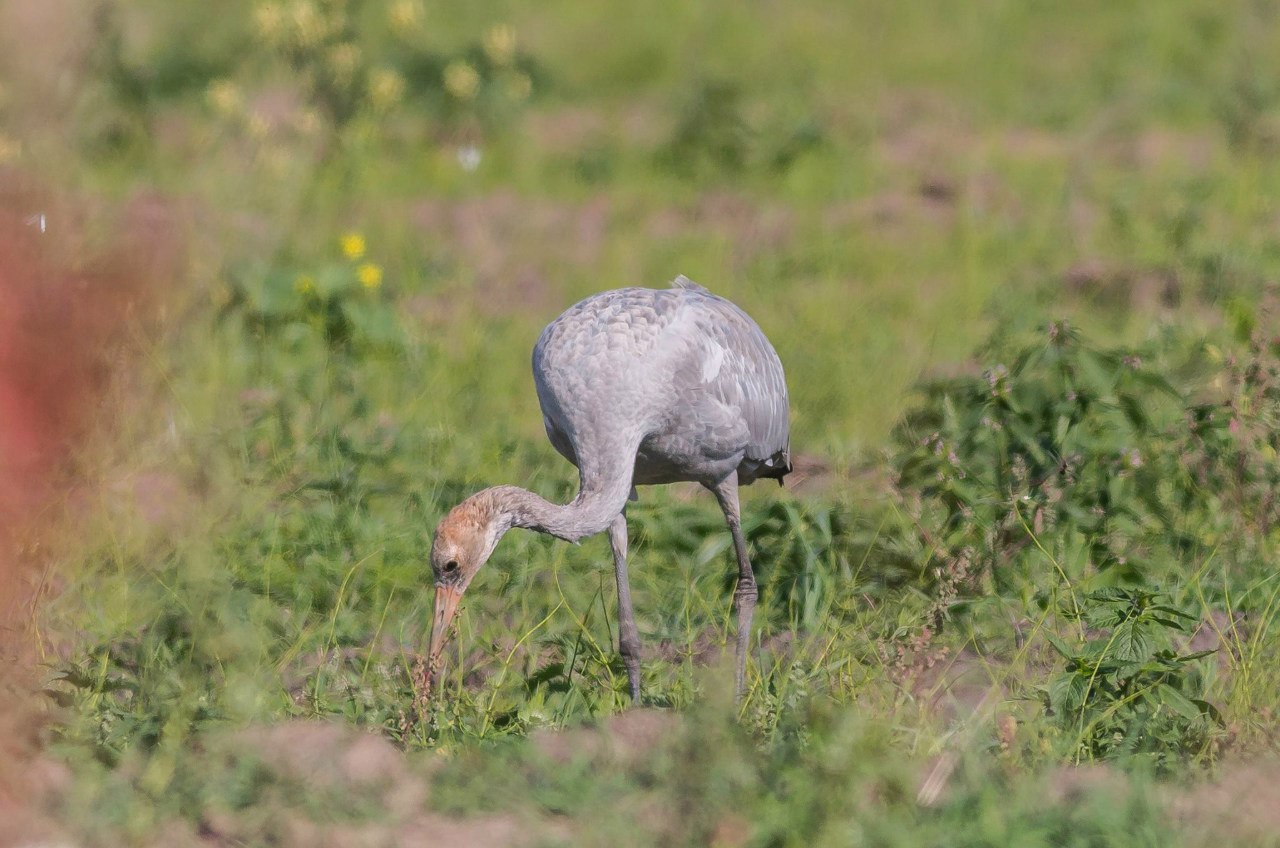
[342, 302]
[803, 555]
[713, 136]
[711, 130]
[129, 79]
[480, 87]
[319, 39]
[1125, 688]
[1071, 454]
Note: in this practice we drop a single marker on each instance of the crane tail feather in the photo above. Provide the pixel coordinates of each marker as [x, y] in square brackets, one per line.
[683, 282]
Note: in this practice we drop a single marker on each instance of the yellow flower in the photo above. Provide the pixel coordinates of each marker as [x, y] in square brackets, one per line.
[269, 18]
[307, 121]
[461, 80]
[309, 26]
[385, 88]
[500, 44]
[405, 14]
[369, 275]
[352, 245]
[225, 97]
[343, 59]
[304, 284]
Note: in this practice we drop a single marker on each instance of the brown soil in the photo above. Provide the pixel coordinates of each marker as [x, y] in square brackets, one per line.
[1242, 804]
[625, 739]
[335, 758]
[512, 247]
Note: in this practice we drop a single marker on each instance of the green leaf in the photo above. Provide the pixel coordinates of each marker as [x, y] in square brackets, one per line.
[1152, 380]
[1174, 611]
[1110, 595]
[1131, 643]
[1059, 646]
[1172, 623]
[1210, 710]
[1197, 655]
[1060, 430]
[1066, 692]
[274, 295]
[333, 280]
[1178, 702]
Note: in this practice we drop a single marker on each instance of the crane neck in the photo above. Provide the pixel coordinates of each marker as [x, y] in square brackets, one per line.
[590, 512]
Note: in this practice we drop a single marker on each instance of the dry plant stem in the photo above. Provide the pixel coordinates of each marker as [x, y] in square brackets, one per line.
[425, 679]
[422, 678]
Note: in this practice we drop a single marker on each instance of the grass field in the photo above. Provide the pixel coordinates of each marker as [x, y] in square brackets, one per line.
[1019, 260]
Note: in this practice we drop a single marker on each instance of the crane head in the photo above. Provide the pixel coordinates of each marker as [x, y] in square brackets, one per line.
[463, 542]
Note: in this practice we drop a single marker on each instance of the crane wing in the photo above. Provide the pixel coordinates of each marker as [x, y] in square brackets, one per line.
[687, 373]
[735, 364]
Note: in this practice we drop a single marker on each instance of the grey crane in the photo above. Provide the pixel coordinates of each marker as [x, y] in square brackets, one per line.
[637, 387]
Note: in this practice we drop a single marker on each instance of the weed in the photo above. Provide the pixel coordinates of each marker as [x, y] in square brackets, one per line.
[1124, 688]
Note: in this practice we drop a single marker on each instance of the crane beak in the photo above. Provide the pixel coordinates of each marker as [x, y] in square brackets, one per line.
[447, 600]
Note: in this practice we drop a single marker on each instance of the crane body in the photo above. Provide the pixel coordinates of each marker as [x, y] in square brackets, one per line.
[637, 387]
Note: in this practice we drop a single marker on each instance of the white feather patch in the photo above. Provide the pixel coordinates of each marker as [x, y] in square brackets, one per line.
[711, 365]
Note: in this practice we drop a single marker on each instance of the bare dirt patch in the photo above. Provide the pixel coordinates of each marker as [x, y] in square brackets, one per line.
[1115, 285]
[516, 249]
[567, 130]
[623, 739]
[335, 760]
[749, 227]
[921, 130]
[1159, 146]
[1242, 804]
[513, 246]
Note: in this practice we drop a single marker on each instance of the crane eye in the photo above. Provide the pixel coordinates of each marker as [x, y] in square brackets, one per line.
[451, 566]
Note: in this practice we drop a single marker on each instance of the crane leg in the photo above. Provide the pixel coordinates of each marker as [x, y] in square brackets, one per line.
[744, 597]
[628, 637]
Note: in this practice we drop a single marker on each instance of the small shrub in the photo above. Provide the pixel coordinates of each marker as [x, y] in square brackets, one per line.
[343, 303]
[1124, 688]
[712, 135]
[711, 131]
[1095, 461]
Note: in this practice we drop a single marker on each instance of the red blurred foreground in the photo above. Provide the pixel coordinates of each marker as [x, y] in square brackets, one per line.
[67, 312]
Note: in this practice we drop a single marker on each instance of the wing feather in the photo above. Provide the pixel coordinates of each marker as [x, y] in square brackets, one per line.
[688, 366]
[742, 371]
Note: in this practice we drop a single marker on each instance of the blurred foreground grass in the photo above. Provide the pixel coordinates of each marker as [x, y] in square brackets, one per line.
[890, 191]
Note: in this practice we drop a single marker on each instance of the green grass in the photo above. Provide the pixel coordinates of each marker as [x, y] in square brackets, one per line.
[885, 189]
